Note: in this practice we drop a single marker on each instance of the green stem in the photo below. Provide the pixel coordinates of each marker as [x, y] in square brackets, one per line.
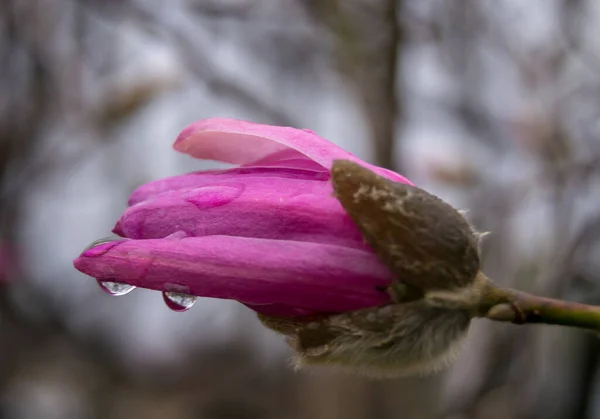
[485, 299]
[520, 307]
[510, 305]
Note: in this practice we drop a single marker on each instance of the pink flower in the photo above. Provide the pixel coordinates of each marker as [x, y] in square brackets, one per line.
[267, 233]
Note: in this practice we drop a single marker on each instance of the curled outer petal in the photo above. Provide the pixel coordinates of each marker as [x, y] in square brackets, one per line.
[240, 142]
[312, 277]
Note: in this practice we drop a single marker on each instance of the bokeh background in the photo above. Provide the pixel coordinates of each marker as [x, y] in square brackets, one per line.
[494, 105]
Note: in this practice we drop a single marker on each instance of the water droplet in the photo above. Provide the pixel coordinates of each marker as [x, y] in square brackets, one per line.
[178, 301]
[115, 288]
[215, 195]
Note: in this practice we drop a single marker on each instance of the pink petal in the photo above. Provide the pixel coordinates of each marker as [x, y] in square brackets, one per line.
[197, 179]
[308, 276]
[279, 310]
[241, 142]
[271, 208]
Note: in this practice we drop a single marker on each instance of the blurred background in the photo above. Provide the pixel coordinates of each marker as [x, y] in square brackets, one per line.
[494, 105]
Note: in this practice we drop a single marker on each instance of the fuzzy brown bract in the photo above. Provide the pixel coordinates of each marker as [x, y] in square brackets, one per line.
[388, 341]
[425, 242]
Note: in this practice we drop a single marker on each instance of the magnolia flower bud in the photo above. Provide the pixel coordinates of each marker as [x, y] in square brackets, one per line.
[269, 234]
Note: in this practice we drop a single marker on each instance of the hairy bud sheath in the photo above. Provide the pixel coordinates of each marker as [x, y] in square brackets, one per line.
[430, 248]
[426, 242]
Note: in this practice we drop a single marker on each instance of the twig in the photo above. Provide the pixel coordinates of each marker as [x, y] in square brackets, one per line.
[520, 307]
[485, 299]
